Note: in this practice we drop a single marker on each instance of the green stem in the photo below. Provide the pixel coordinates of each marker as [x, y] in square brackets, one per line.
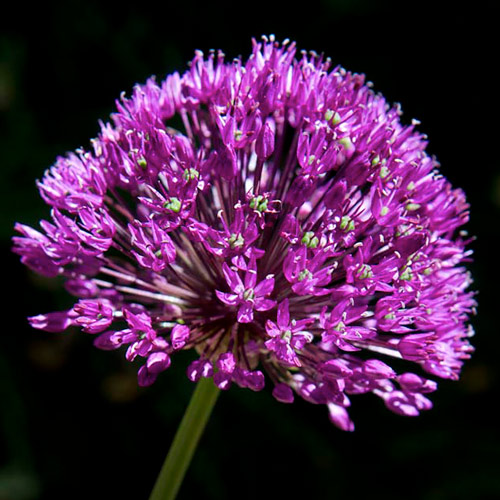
[185, 441]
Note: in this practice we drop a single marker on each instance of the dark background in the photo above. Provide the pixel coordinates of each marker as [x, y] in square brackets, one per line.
[73, 423]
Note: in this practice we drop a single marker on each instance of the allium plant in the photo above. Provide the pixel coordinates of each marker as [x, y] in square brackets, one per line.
[286, 224]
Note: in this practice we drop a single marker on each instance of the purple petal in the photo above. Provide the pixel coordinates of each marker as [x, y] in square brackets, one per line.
[158, 362]
[272, 329]
[253, 380]
[222, 380]
[245, 313]
[413, 383]
[194, 371]
[377, 369]
[54, 322]
[233, 279]
[226, 362]
[179, 336]
[340, 417]
[145, 378]
[107, 341]
[265, 287]
[299, 340]
[228, 298]
[336, 368]
[283, 315]
[399, 403]
[264, 304]
[250, 277]
[264, 146]
[283, 393]
[199, 368]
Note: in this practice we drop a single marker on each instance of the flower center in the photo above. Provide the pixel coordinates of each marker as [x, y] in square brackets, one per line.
[249, 294]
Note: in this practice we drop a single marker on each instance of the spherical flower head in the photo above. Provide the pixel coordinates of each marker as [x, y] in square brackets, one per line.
[293, 226]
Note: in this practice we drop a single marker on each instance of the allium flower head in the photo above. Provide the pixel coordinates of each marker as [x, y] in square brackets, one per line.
[292, 225]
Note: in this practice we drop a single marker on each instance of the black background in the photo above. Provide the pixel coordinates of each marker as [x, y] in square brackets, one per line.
[73, 423]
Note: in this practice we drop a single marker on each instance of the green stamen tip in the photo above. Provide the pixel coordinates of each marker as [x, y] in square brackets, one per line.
[406, 274]
[190, 174]
[384, 172]
[304, 274]
[254, 201]
[339, 327]
[346, 142]
[365, 271]
[347, 224]
[309, 240]
[173, 204]
[336, 119]
[258, 203]
[411, 207]
[236, 240]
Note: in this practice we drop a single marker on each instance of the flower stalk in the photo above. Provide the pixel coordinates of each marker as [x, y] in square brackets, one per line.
[185, 441]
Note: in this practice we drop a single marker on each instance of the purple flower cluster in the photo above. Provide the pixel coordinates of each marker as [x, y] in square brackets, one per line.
[294, 226]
